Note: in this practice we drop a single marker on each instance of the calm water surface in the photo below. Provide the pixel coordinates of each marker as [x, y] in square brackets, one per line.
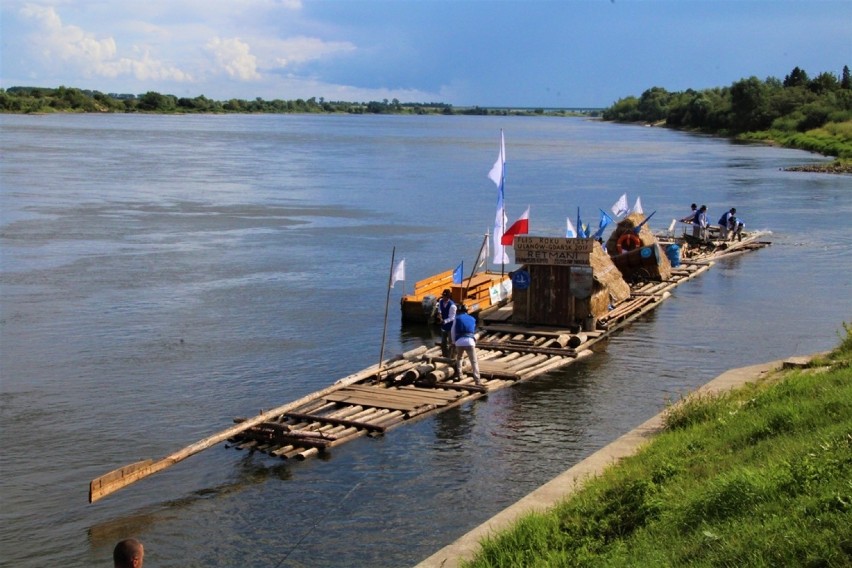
[162, 275]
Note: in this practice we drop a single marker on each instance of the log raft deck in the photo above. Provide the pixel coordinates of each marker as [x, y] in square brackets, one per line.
[420, 383]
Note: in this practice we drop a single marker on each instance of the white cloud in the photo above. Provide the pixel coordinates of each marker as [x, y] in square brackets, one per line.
[61, 46]
[234, 56]
[244, 62]
[283, 53]
[232, 49]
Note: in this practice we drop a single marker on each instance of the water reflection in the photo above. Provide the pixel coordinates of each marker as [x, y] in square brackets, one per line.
[454, 426]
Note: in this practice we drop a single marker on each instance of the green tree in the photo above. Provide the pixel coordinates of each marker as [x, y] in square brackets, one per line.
[749, 106]
[654, 104]
[824, 83]
[624, 110]
[796, 78]
[153, 101]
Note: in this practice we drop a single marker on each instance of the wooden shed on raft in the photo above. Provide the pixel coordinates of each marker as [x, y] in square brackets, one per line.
[646, 260]
[563, 281]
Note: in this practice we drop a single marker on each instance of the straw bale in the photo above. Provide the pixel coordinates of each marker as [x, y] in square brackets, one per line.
[628, 224]
[607, 275]
[659, 271]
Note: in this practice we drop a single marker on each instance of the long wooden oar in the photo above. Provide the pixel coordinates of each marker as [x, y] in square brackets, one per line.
[124, 476]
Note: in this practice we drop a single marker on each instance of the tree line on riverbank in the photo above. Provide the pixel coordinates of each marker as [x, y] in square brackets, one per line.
[813, 114]
[69, 99]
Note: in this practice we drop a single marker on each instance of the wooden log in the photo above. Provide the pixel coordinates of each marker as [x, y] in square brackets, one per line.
[437, 375]
[464, 386]
[420, 410]
[412, 375]
[279, 452]
[305, 454]
[390, 417]
[576, 340]
[517, 351]
[338, 421]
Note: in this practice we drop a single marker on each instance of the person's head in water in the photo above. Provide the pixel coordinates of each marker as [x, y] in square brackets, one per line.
[128, 553]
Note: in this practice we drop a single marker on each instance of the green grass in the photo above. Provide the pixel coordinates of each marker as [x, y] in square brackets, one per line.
[761, 476]
[832, 139]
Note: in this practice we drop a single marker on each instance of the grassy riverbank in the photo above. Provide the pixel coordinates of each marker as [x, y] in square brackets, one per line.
[832, 139]
[756, 477]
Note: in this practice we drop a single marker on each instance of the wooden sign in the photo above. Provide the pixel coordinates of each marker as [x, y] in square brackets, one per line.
[553, 251]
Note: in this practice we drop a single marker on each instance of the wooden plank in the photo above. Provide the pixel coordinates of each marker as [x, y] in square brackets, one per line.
[336, 421]
[387, 401]
[434, 281]
[464, 386]
[364, 400]
[515, 329]
[497, 370]
[401, 393]
[526, 349]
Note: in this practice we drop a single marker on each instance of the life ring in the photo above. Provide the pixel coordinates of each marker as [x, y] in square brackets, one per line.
[627, 242]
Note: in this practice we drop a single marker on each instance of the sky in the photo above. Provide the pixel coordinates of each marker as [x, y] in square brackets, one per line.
[490, 53]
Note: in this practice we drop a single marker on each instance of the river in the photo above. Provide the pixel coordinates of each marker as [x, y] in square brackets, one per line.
[161, 275]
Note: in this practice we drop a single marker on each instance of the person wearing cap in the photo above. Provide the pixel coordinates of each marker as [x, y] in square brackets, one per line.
[446, 311]
[464, 338]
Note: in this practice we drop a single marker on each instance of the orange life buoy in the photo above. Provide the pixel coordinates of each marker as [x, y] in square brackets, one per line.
[627, 242]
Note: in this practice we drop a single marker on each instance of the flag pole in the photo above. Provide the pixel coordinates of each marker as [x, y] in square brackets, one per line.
[487, 248]
[385, 329]
[476, 262]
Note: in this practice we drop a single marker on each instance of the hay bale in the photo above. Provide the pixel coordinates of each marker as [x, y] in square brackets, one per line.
[634, 264]
[629, 223]
[607, 275]
[610, 287]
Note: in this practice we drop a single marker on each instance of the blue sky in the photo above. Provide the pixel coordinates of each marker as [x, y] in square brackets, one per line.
[525, 53]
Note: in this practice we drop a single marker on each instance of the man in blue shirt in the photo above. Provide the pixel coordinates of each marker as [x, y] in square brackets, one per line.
[464, 338]
[724, 222]
[699, 223]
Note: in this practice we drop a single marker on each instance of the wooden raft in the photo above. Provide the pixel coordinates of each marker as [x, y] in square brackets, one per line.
[417, 384]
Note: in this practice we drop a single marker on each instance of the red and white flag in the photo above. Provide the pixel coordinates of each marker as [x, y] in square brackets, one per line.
[519, 227]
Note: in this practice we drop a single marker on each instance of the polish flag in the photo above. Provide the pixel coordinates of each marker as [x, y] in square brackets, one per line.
[519, 227]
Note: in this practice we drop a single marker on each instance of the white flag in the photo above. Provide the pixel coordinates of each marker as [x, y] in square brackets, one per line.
[570, 232]
[497, 170]
[497, 175]
[500, 220]
[398, 273]
[637, 207]
[619, 208]
[672, 226]
[483, 256]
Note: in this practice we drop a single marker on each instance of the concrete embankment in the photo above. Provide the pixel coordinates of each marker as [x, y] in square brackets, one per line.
[562, 486]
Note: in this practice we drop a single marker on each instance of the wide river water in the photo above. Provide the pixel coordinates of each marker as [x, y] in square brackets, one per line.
[163, 274]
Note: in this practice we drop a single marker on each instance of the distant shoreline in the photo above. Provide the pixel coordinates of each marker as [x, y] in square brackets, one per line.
[838, 166]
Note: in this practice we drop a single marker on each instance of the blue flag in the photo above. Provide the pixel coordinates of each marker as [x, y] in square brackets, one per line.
[605, 220]
[639, 226]
[581, 229]
[458, 273]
